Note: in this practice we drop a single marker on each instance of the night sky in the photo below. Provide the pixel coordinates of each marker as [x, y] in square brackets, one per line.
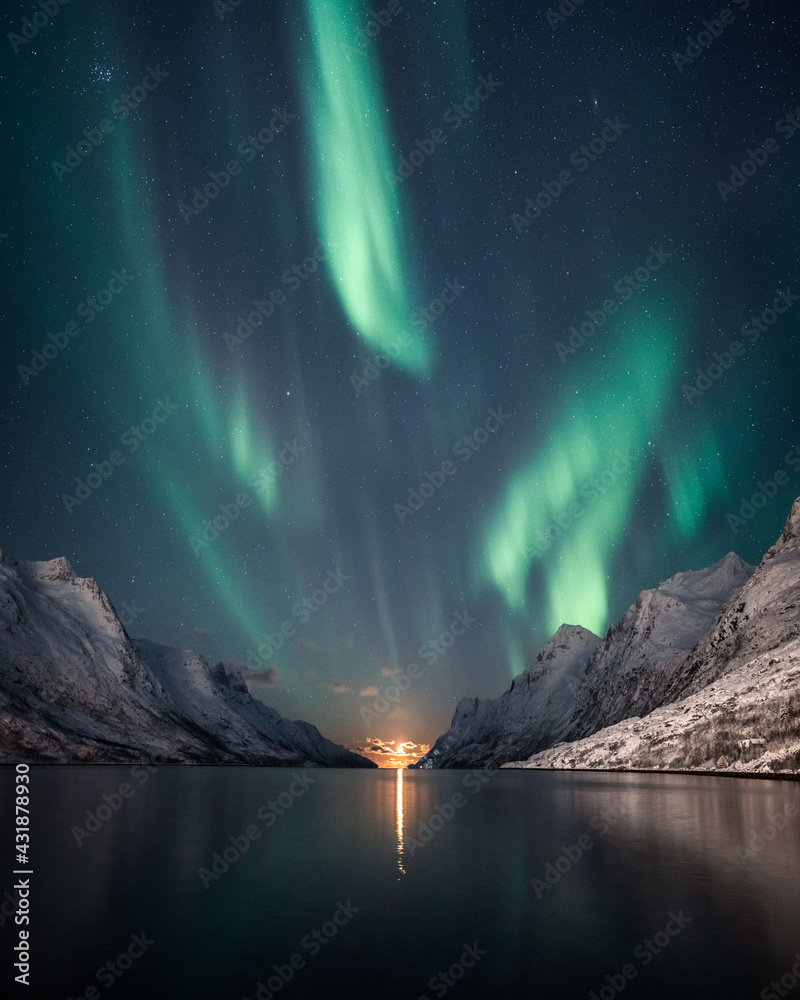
[302, 260]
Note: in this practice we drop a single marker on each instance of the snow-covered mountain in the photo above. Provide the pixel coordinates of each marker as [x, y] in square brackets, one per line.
[764, 616]
[581, 684]
[531, 715]
[635, 667]
[734, 702]
[75, 687]
[758, 703]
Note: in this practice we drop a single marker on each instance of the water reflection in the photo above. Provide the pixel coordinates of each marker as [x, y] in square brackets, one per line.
[400, 821]
[502, 870]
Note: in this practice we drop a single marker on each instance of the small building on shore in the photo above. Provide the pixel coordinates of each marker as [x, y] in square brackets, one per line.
[750, 742]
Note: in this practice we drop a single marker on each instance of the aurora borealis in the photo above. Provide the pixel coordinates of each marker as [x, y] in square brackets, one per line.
[327, 240]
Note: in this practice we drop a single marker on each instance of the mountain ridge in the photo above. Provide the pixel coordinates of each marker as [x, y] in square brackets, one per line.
[687, 654]
[75, 687]
[733, 704]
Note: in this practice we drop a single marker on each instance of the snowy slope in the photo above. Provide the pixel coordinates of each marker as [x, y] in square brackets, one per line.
[741, 680]
[529, 716]
[759, 698]
[633, 670]
[580, 683]
[763, 616]
[70, 680]
[218, 702]
[75, 687]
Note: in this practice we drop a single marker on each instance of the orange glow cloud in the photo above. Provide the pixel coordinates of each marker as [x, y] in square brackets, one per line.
[392, 753]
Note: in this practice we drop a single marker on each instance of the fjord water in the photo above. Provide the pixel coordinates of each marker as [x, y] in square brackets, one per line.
[401, 881]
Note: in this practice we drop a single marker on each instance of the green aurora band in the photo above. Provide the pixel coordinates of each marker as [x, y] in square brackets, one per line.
[357, 207]
[603, 437]
[232, 443]
[695, 474]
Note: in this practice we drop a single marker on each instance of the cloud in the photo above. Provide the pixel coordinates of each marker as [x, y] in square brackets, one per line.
[388, 672]
[336, 687]
[174, 633]
[368, 692]
[375, 745]
[197, 636]
[393, 753]
[393, 746]
[263, 678]
[373, 748]
[303, 644]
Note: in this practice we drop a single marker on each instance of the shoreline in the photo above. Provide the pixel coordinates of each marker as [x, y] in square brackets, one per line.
[761, 775]
[758, 775]
[308, 765]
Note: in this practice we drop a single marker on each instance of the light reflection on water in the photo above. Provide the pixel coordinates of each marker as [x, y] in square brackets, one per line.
[356, 837]
[400, 847]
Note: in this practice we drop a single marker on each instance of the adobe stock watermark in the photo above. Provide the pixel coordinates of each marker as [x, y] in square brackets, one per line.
[129, 613]
[221, 8]
[313, 943]
[87, 310]
[373, 369]
[765, 491]
[752, 331]
[580, 158]
[269, 812]
[9, 907]
[775, 824]
[248, 148]
[294, 278]
[76, 155]
[474, 781]
[420, 318]
[591, 491]
[96, 818]
[570, 855]
[108, 974]
[787, 126]
[443, 981]
[454, 116]
[379, 19]
[627, 286]
[464, 449]
[759, 839]
[644, 953]
[565, 10]
[303, 609]
[429, 651]
[259, 481]
[132, 439]
[695, 47]
[32, 25]
[784, 986]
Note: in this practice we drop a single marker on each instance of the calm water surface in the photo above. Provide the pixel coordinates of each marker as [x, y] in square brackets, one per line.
[373, 883]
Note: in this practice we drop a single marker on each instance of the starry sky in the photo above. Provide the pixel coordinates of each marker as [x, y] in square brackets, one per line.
[363, 346]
